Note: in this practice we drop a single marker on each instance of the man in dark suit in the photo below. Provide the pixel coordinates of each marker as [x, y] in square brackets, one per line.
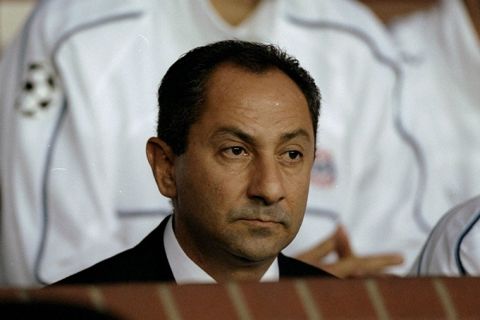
[234, 149]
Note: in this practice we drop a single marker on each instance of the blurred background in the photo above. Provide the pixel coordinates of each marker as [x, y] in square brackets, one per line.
[13, 13]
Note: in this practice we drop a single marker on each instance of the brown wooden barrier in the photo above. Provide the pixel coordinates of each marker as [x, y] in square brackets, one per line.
[381, 298]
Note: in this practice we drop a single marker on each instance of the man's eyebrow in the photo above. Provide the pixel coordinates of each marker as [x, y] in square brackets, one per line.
[242, 135]
[294, 134]
[236, 132]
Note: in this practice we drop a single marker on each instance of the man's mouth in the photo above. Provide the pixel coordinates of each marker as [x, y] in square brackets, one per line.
[264, 217]
[260, 221]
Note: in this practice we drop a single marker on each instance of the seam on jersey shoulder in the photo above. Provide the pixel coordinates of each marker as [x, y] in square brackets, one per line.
[53, 139]
[93, 24]
[458, 258]
[402, 131]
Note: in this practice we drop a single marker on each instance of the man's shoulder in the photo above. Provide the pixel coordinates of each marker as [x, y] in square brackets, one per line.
[293, 268]
[458, 219]
[50, 28]
[75, 12]
[452, 246]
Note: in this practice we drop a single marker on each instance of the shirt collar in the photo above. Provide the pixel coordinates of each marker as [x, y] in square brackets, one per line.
[186, 271]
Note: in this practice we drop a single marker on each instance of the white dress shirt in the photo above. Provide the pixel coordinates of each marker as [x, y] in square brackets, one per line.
[186, 271]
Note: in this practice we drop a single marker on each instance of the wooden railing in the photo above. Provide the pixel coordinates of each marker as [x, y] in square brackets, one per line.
[381, 298]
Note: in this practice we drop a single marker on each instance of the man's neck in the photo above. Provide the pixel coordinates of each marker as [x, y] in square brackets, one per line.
[234, 12]
[246, 271]
[223, 266]
[473, 8]
[190, 266]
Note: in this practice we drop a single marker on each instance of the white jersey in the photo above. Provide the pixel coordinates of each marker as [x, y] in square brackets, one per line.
[442, 103]
[78, 104]
[453, 247]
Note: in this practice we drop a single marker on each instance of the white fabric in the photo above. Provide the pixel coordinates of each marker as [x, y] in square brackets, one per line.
[186, 271]
[453, 247]
[76, 186]
[441, 105]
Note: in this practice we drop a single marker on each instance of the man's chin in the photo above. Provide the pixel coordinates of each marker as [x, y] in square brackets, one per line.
[256, 256]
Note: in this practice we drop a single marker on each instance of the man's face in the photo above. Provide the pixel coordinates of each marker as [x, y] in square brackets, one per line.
[242, 184]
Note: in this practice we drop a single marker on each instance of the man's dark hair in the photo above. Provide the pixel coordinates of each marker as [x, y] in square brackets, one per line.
[183, 89]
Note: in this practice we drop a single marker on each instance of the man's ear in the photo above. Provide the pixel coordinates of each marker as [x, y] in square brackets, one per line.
[161, 159]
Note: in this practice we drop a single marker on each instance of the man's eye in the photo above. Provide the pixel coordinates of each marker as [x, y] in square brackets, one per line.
[293, 155]
[235, 151]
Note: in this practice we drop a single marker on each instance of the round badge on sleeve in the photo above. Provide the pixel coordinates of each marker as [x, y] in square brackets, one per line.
[324, 172]
[38, 89]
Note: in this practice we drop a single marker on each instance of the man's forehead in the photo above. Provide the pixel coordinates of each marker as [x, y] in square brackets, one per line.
[255, 103]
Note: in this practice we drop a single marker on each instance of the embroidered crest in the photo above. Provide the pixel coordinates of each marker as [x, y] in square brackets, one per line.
[324, 172]
[38, 89]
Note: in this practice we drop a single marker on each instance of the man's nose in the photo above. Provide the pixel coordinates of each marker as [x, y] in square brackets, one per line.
[266, 181]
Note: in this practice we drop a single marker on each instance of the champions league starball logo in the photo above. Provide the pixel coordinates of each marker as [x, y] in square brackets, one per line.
[324, 171]
[38, 89]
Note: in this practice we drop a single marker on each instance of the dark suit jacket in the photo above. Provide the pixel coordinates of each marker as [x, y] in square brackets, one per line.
[147, 262]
